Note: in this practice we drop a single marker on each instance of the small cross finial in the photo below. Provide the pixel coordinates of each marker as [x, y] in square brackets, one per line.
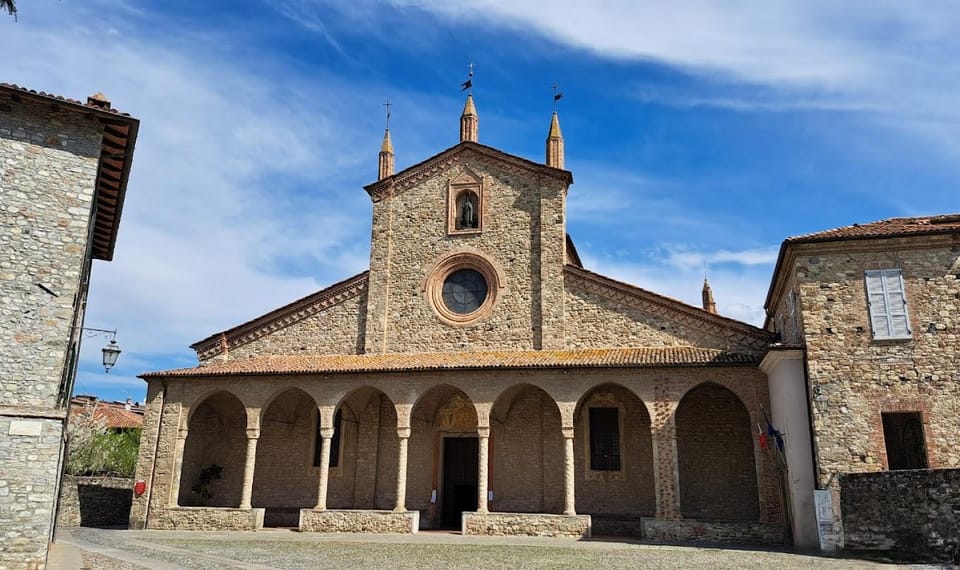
[387, 105]
[557, 95]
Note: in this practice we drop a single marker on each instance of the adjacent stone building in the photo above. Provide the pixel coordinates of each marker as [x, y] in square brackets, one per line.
[476, 377]
[63, 175]
[868, 319]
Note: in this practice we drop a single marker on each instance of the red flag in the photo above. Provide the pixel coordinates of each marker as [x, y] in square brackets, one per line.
[762, 437]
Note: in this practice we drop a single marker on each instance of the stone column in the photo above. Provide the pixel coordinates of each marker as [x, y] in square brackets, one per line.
[177, 467]
[569, 473]
[326, 434]
[253, 436]
[404, 435]
[483, 468]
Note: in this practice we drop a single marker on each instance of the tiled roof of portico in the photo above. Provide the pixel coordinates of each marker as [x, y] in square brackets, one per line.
[407, 362]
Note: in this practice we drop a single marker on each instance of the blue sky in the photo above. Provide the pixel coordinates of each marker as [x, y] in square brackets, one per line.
[698, 132]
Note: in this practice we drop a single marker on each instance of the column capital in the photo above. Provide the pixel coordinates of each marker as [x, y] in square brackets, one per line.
[483, 431]
[403, 432]
[567, 432]
[253, 433]
[326, 432]
[182, 434]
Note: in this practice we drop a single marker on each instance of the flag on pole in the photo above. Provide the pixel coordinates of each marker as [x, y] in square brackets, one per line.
[762, 437]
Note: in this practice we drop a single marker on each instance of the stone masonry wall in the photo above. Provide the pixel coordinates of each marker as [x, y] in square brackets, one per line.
[48, 166]
[95, 501]
[906, 515]
[594, 321]
[28, 483]
[523, 524]
[359, 521]
[860, 377]
[336, 330]
[206, 518]
[410, 230]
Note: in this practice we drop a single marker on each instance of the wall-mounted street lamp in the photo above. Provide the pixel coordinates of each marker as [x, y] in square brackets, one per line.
[110, 352]
[819, 399]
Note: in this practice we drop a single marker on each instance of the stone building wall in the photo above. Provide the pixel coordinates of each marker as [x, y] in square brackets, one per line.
[48, 168]
[410, 230]
[860, 377]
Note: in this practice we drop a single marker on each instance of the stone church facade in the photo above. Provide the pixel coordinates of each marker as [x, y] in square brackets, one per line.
[476, 377]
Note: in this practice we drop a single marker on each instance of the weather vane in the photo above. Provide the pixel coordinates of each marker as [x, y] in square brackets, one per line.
[468, 84]
[387, 105]
[557, 95]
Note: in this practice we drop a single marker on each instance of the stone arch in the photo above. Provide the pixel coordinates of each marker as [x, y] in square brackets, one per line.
[363, 465]
[285, 479]
[440, 413]
[216, 436]
[615, 496]
[526, 452]
[715, 456]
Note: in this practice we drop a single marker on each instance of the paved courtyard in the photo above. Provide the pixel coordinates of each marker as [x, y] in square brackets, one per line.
[122, 549]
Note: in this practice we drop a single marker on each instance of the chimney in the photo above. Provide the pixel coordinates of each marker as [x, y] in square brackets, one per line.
[98, 100]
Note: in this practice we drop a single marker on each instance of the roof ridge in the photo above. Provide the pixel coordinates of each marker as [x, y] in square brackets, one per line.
[682, 355]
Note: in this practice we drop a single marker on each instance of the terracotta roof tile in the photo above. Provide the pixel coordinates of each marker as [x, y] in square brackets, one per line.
[893, 227]
[114, 415]
[405, 362]
[60, 98]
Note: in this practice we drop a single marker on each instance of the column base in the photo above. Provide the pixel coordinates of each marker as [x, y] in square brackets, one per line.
[359, 521]
[526, 524]
[205, 518]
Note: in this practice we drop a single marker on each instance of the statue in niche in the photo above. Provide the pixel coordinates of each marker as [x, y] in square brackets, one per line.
[467, 219]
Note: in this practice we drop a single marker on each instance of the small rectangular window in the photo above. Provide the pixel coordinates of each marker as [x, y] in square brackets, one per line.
[903, 437]
[887, 302]
[334, 442]
[604, 439]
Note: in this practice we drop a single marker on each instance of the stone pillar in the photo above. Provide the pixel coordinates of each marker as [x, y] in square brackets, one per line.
[326, 434]
[253, 436]
[177, 467]
[569, 473]
[404, 435]
[483, 465]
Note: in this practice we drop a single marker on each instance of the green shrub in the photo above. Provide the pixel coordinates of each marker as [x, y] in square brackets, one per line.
[96, 450]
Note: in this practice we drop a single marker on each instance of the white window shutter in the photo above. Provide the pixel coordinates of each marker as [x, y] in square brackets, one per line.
[899, 321]
[887, 303]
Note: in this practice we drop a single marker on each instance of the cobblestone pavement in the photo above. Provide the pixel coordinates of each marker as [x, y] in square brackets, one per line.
[167, 550]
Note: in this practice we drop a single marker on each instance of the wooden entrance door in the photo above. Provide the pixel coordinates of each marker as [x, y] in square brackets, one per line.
[459, 491]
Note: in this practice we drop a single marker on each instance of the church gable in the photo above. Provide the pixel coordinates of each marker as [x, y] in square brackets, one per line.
[330, 321]
[472, 213]
[601, 313]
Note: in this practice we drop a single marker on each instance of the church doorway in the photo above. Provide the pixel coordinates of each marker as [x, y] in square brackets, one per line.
[459, 491]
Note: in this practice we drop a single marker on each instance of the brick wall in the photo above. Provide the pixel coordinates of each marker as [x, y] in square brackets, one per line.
[718, 478]
[906, 515]
[217, 436]
[285, 475]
